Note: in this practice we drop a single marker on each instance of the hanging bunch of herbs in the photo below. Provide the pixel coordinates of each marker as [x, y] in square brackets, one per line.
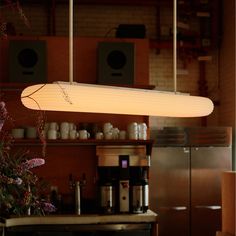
[14, 6]
[21, 189]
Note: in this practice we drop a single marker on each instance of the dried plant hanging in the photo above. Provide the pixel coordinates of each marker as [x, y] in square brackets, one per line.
[21, 190]
[14, 6]
[22, 14]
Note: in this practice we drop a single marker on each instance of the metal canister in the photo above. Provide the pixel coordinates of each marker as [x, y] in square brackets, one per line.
[145, 188]
[137, 198]
[107, 198]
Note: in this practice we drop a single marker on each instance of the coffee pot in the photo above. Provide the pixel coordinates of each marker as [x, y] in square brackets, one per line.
[123, 179]
[107, 198]
[139, 190]
[107, 191]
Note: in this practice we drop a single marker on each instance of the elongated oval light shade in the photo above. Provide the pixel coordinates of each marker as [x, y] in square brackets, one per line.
[78, 97]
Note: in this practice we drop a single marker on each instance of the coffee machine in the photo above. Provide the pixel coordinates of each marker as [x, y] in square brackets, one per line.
[123, 179]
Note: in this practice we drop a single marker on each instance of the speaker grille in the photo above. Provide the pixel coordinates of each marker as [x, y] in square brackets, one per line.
[27, 61]
[116, 63]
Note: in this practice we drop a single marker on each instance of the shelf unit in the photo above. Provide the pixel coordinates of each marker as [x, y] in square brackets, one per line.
[86, 142]
[83, 142]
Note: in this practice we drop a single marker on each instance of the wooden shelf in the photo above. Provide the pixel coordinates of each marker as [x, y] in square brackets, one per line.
[78, 142]
[88, 142]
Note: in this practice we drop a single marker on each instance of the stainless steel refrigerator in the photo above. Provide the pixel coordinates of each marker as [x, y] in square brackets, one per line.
[185, 179]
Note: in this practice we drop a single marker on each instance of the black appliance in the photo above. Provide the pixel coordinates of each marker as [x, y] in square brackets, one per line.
[123, 179]
[131, 31]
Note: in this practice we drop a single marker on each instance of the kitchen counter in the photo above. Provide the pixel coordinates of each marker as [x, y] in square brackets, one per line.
[149, 217]
[135, 224]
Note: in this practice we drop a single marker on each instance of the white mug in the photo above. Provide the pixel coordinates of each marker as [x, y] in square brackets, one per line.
[72, 126]
[133, 135]
[18, 133]
[142, 135]
[73, 134]
[99, 135]
[53, 134]
[83, 134]
[64, 134]
[31, 132]
[115, 133]
[53, 126]
[133, 127]
[142, 127]
[46, 126]
[64, 126]
[108, 135]
[107, 127]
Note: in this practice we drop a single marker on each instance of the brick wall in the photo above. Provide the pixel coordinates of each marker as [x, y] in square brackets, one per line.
[227, 72]
[100, 21]
[227, 67]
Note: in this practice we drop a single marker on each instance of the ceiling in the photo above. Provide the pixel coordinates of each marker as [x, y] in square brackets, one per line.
[101, 2]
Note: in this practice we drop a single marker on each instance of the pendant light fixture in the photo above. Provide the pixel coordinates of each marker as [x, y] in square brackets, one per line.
[79, 97]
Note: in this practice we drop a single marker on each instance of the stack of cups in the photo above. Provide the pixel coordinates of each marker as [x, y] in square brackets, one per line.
[52, 130]
[68, 130]
[107, 130]
[64, 130]
[133, 130]
[115, 133]
[142, 131]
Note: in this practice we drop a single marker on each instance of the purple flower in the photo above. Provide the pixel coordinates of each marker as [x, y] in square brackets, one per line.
[1, 124]
[18, 181]
[3, 114]
[35, 162]
[9, 180]
[6, 179]
[3, 111]
[48, 207]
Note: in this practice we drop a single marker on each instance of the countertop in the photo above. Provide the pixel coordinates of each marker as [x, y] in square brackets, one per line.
[149, 217]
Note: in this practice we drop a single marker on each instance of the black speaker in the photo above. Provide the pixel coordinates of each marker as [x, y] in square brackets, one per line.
[27, 61]
[131, 31]
[116, 63]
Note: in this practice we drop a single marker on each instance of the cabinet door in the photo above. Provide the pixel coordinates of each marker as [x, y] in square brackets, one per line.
[207, 165]
[169, 189]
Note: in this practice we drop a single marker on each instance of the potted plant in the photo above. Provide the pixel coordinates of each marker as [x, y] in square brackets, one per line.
[20, 191]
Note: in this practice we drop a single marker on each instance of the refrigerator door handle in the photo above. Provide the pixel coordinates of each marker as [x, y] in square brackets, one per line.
[213, 207]
[179, 208]
[176, 208]
[186, 150]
